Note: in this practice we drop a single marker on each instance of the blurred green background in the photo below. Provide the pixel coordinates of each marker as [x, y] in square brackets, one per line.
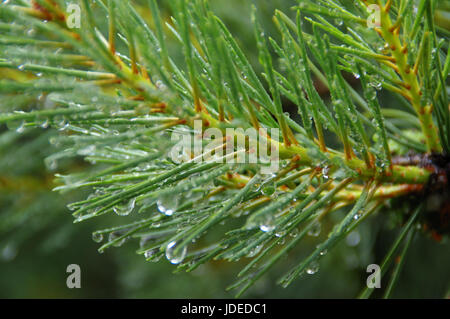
[38, 239]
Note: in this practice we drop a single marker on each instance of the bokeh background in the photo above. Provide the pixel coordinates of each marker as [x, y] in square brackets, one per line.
[38, 239]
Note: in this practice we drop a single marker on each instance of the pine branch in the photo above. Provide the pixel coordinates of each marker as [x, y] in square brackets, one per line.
[122, 99]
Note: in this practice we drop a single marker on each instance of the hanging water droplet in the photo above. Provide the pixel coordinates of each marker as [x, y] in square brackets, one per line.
[315, 229]
[149, 253]
[167, 204]
[113, 236]
[312, 268]
[156, 224]
[268, 188]
[255, 251]
[174, 256]
[97, 237]
[71, 207]
[124, 210]
[376, 84]
[323, 252]
[152, 254]
[21, 128]
[31, 32]
[44, 124]
[371, 94]
[160, 85]
[268, 224]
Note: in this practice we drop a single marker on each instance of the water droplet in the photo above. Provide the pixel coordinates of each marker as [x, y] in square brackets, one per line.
[44, 124]
[255, 251]
[160, 85]
[315, 229]
[174, 256]
[280, 233]
[268, 189]
[358, 215]
[312, 268]
[268, 224]
[86, 151]
[71, 207]
[124, 210]
[156, 224]
[167, 204]
[294, 233]
[376, 84]
[339, 22]
[113, 236]
[97, 237]
[353, 239]
[152, 255]
[21, 128]
[31, 32]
